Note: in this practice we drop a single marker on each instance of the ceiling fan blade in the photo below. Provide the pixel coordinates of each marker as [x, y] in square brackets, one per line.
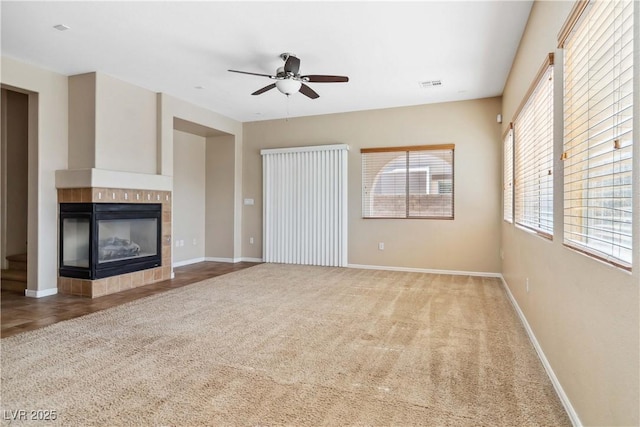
[264, 89]
[306, 90]
[315, 78]
[292, 65]
[253, 74]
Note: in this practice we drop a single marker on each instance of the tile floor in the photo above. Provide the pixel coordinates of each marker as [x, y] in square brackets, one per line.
[20, 314]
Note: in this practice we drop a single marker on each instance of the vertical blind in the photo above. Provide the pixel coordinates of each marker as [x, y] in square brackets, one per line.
[305, 205]
[533, 133]
[507, 179]
[408, 182]
[598, 130]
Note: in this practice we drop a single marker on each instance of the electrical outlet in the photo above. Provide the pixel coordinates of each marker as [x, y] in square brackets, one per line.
[527, 285]
[195, 241]
[251, 240]
[381, 246]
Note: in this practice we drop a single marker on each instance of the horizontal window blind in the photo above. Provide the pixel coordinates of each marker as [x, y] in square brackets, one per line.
[533, 134]
[507, 179]
[408, 182]
[598, 130]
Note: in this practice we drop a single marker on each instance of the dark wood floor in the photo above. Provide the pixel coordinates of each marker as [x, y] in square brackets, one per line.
[20, 313]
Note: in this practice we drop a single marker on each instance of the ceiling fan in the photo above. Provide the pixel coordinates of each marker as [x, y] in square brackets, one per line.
[289, 81]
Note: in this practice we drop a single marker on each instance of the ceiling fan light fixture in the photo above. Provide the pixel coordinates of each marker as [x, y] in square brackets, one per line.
[288, 86]
[289, 81]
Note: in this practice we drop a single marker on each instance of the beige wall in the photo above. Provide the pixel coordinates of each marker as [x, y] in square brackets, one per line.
[220, 197]
[204, 190]
[82, 121]
[109, 117]
[585, 314]
[211, 124]
[125, 123]
[48, 112]
[188, 196]
[468, 243]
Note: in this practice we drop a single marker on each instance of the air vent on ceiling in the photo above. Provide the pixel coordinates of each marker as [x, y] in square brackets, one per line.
[430, 83]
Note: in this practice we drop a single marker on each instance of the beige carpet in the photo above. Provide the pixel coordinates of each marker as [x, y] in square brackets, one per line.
[290, 345]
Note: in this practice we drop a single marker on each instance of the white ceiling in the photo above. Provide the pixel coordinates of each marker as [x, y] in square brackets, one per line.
[386, 49]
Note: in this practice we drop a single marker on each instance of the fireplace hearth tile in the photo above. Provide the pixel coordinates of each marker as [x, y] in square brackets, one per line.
[99, 288]
[113, 285]
[125, 282]
[64, 284]
[76, 287]
[85, 195]
[149, 276]
[137, 279]
[166, 259]
[86, 288]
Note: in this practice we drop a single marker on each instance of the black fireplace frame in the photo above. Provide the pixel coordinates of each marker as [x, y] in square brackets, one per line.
[95, 212]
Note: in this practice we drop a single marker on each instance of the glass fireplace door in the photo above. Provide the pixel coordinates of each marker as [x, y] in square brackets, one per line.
[121, 239]
[99, 240]
[76, 237]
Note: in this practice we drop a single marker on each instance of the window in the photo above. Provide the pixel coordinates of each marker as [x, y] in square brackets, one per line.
[598, 116]
[507, 179]
[533, 133]
[408, 182]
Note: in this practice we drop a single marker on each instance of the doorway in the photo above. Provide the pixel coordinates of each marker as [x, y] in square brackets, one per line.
[14, 188]
[203, 199]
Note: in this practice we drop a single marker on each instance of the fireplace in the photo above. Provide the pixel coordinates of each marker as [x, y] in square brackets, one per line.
[99, 240]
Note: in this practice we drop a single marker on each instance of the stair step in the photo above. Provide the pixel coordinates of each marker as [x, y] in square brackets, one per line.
[14, 275]
[13, 285]
[17, 262]
[17, 257]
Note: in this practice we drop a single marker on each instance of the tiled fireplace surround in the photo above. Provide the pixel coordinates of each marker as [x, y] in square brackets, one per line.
[114, 284]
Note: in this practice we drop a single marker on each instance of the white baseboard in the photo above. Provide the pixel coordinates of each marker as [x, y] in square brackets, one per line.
[219, 259]
[571, 412]
[233, 260]
[187, 262]
[249, 259]
[215, 259]
[39, 294]
[424, 270]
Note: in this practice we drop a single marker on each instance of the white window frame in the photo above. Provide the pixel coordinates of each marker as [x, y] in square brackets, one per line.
[533, 155]
[372, 169]
[598, 130]
[507, 176]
